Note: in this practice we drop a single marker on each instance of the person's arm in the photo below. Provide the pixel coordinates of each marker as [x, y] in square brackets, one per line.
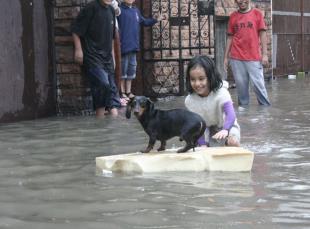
[263, 40]
[78, 52]
[230, 115]
[227, 51]
[229, 121]
[148, 21]
[79, 28]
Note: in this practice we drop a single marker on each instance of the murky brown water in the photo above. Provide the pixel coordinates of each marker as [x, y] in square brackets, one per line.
[48, 177]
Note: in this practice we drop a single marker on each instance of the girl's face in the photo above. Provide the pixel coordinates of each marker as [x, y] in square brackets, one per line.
[199, 81]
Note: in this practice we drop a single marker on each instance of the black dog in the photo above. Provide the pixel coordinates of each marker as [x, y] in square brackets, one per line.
[162, 125]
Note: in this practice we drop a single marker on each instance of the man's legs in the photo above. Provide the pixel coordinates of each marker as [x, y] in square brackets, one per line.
[256, 73]
[242, 81]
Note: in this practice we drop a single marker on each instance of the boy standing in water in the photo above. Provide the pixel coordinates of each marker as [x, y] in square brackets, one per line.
[246, 30]
[93, 31]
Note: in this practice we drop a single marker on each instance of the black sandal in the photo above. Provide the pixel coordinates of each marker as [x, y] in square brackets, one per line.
[124, 95]
[130, 95]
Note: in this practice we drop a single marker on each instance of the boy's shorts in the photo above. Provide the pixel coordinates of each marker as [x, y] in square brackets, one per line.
[129, 66]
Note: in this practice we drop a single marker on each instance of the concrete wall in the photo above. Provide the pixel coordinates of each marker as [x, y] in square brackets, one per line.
[26, 79]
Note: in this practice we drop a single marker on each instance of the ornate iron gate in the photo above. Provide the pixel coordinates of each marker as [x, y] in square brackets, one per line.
[187, 29]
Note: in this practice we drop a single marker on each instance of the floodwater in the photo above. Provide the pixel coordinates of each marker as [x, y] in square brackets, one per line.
[48, 177]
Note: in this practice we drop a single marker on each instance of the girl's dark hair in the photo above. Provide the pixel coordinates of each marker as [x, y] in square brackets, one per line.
[213, 76]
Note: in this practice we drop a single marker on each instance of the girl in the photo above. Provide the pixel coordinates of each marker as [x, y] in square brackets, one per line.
[210, 99]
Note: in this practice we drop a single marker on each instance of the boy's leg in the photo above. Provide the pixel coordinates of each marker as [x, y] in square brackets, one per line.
[128, 89]
[242, 81]
[131, 73]
[114, 99]
[123, 88]
[256, 74]
[99, 83]
[124, 62]
[100, 112]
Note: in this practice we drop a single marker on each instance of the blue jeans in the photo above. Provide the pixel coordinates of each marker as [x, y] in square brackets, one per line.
[245, 72]
[129, 66]
[103, 88]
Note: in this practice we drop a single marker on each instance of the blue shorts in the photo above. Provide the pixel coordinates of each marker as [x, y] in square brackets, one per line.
[129, 66]
[103, 88]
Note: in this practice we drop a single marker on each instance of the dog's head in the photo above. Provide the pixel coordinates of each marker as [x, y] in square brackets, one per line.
[139, 105]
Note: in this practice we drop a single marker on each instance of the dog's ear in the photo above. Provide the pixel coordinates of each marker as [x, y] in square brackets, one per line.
[129, 108]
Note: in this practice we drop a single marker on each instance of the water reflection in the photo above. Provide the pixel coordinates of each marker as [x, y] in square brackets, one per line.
[48, 178]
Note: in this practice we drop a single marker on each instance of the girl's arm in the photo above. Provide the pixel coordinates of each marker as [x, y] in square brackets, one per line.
[230, 115]
[230, 118]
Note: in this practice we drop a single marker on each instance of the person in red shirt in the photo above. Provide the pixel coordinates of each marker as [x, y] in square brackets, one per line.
[246, 52]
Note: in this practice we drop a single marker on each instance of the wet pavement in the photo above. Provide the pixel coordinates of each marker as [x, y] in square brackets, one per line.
[48, 177]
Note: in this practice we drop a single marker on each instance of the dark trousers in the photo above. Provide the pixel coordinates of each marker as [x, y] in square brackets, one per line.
[103, 88]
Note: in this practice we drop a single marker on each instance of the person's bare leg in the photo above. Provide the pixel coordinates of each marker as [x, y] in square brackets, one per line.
[114, 112]
[100, 112]
[123, 86]
[128, 89]
[232, 141]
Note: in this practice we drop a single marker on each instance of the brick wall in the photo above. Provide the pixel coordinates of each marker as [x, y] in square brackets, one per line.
[73, 93]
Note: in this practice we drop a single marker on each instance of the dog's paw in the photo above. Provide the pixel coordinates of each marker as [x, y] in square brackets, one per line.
[181, 150]
[145, 151]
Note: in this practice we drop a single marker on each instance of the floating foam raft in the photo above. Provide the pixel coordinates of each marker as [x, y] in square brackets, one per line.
[234, 159]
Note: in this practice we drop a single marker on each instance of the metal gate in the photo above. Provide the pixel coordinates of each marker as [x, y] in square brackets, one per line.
[187, 29]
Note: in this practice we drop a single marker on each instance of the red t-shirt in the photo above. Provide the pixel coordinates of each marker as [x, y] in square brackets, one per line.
[245, 28]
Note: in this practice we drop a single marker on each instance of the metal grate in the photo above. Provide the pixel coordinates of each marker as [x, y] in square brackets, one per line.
[186, 30]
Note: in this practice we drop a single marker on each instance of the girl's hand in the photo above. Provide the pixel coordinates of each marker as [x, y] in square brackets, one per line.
[221, 134]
